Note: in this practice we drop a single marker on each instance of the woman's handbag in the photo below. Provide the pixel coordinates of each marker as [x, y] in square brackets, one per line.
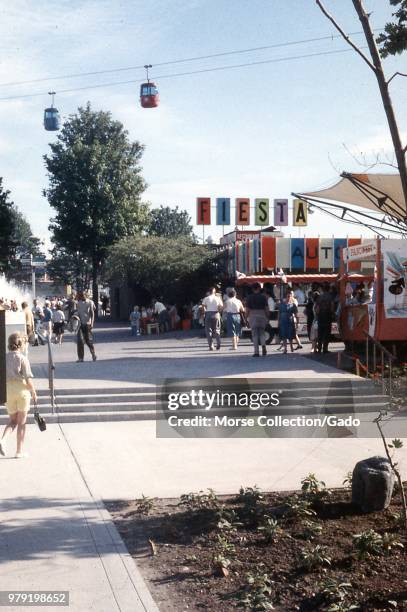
[42, 426]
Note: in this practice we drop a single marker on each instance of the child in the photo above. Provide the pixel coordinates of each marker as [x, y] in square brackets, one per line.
[135, 321]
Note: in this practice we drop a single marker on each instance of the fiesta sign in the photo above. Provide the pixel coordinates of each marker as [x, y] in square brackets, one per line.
[243, 212]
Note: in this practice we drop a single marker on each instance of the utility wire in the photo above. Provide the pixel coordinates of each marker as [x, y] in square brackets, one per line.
[180, 61]
[180, 74]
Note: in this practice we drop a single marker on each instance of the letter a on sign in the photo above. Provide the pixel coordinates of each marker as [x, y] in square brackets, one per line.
[262, 211]
[242, 211]
[280, 212]
[203, 211]
[300, 213]
[222, 211]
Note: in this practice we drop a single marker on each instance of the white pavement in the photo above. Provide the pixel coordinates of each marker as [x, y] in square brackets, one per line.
[56, 535]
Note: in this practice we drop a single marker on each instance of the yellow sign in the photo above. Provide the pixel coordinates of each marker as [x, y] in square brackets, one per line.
[300, 213]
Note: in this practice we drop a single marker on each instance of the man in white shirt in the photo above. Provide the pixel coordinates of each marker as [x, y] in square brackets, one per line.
[299, 295]
[213, 306]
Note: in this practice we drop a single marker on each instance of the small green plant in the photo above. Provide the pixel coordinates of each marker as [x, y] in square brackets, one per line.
[347, 481]
[225, 545]
[311, 530]
[299, 508]
[221, 564]
[390, 541]
[312, 488]
[397, 518]
[227, 520]
[315, 557]
[250, 496]
[257, 594]
[270, 529]
[335, 593]
[367, 543]
[200, 501]
[145, 505]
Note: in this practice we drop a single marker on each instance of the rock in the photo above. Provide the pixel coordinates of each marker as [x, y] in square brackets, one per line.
[372, 484]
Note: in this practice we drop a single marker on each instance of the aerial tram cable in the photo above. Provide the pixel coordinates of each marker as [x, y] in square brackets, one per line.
[180, 61]
[189, 73]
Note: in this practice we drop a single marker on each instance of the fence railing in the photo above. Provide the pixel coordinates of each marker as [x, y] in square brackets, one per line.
[51, 373]
[377, 358]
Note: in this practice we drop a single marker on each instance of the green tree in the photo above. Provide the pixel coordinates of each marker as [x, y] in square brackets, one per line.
[95, 185]
[27, 243]
[174, 268]
[7, 228]
[394, 42]
[170, 222]
[69, 268]
[394, 38]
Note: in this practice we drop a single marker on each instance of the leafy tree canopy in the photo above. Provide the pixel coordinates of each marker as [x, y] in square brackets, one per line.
[27, 243]
[7, 229]
[170, 222]
[69, 268]
[173, 268]
[394, 38]
[95, 185]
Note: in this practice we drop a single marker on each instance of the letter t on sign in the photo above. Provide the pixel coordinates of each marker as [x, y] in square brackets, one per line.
[280, 212]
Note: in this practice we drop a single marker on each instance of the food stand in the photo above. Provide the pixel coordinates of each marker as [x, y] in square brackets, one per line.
[383, 313]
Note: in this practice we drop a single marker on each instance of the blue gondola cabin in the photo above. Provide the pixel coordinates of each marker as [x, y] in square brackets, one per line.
[51, 119]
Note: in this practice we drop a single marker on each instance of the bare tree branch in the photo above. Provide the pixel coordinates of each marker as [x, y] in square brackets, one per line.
[345, 36]
[396, 74]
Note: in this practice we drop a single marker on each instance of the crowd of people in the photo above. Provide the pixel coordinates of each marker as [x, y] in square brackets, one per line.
[260, 308]
[48, 320]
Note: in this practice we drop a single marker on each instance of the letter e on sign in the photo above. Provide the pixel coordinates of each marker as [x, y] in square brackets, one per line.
[300, 212]
[242, 211]
[203, 211]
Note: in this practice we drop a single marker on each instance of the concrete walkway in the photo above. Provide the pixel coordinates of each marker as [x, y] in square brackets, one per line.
[56, 535]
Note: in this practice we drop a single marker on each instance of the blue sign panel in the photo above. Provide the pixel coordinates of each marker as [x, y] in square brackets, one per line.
[339, 243]
[222, 211]
[297, 253]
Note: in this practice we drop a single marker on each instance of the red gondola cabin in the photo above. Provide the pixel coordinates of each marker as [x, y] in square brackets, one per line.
[149, 97]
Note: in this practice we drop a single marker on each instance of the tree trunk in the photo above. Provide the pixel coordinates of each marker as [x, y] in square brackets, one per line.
[95, 287]
[387, 104]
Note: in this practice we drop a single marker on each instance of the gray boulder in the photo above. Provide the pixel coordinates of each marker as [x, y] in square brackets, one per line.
[372, 484]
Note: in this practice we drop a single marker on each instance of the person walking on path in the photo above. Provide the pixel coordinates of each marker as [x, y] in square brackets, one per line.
[38, 315]
[47, 320]
[325, 309]
[58, 323]
[213, 306]
[29, 323]
[86, 313]
[258, 314]
[19, 390]
[287, 321]
[135, 317]
[234, 311]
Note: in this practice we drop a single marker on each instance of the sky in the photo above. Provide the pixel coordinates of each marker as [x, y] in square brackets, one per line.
[265, 130]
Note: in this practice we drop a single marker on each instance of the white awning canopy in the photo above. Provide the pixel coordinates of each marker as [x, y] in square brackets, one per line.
[376, 192]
